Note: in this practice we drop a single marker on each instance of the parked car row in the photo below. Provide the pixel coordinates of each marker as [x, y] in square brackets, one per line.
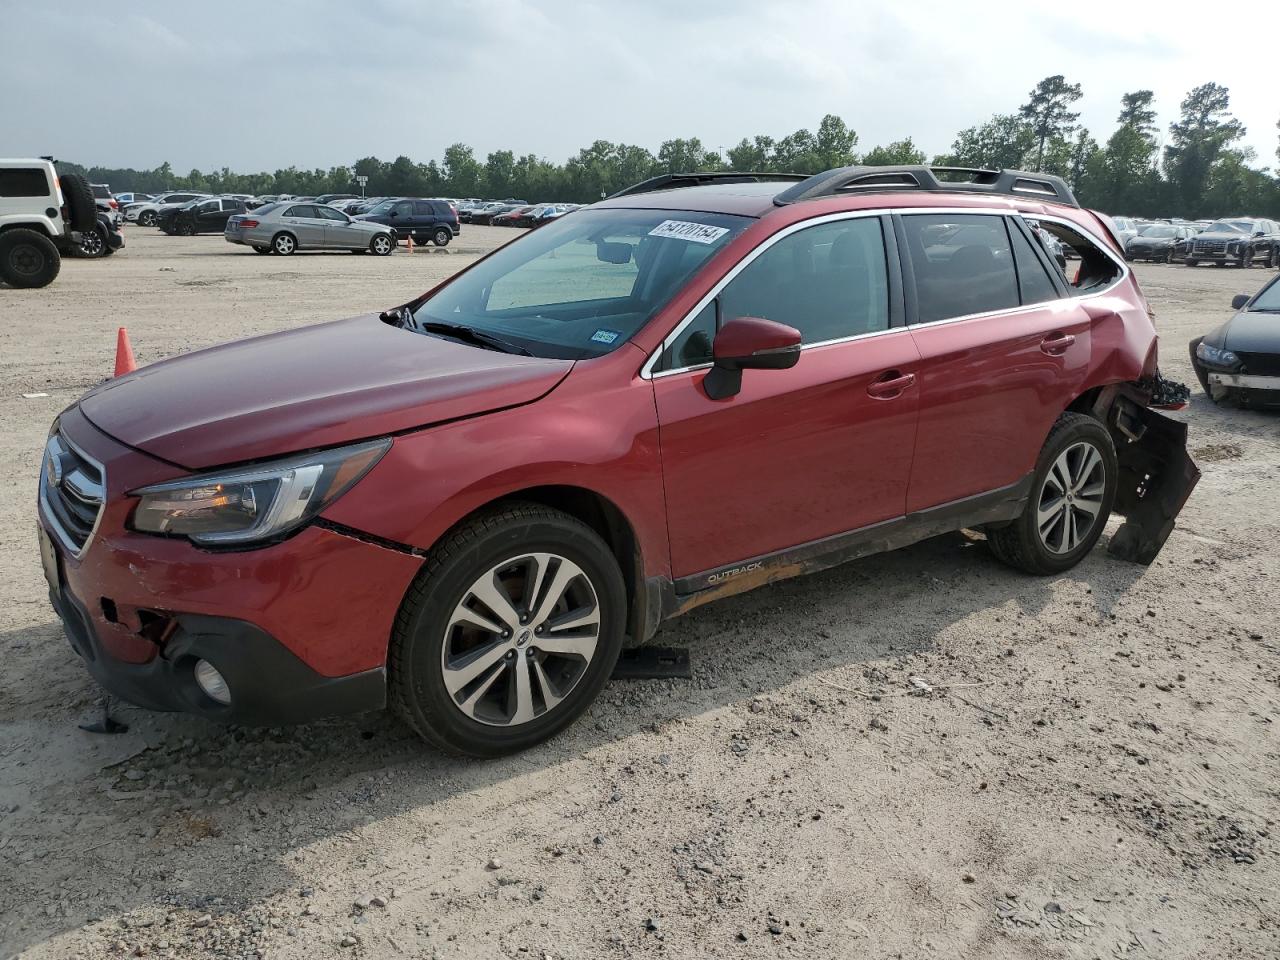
[1242, 241]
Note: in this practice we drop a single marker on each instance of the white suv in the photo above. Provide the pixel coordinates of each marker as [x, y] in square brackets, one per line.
[42, 216]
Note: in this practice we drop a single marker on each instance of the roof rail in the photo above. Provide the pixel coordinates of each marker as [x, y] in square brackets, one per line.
[673, 181]
[858, 179]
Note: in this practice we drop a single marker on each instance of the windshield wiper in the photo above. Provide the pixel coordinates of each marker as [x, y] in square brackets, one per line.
[468, 334]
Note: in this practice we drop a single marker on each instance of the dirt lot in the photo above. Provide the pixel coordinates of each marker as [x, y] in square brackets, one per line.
[1094, 773]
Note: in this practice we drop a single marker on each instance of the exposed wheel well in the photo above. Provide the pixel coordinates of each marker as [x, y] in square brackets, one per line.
[1085, 402]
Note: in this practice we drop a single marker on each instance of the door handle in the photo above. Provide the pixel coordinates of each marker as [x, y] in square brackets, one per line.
[1056, 344]
[890, 385]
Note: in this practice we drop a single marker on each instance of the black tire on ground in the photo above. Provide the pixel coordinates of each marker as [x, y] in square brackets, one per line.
[1201, 373]
[1020, 544]
[1245, 260]
[441, 237]
[82, 211]
[185, 229]
[382, 245]
[283, 244]
[259, 248]
[93, 243]
[1191, 263]
[28, 258]
[1275, 257]
[147, 218]
[416, 683]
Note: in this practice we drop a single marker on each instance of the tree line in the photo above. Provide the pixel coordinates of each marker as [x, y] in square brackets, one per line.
[1202, 170]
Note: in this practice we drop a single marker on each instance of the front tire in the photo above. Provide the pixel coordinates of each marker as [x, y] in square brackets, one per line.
[1072, 492]
[509, 633]
[28, 259]
[185, 230]
[93, 243]
[147, 218]
[382, 245]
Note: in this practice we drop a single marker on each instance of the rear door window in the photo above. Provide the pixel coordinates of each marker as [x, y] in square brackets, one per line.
[963, 265]
[1097, 271]
[24, 182]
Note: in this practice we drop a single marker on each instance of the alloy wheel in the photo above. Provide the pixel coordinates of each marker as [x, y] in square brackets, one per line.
[1071, 497]
[382, 244]
[284, 244]
[520, 639]
[91, 243]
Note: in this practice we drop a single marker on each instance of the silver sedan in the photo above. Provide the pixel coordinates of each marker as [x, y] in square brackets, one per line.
[284, 227]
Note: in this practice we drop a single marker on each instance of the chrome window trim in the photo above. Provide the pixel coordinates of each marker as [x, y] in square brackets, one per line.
[648, 373]
[68, 544]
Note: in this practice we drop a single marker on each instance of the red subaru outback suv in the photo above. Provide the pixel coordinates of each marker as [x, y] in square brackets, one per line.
[463, 506]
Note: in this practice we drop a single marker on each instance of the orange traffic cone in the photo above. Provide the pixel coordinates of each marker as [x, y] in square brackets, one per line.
[409, 243]
[125, 363]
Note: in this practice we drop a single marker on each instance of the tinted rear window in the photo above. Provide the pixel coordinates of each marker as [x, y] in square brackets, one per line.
[23, 182]
[101, 192]
[962, 263]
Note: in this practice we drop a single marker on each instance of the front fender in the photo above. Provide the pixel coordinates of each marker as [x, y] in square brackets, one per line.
[589, 436]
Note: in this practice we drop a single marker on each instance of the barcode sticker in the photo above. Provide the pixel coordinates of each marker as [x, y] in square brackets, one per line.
[684, 230]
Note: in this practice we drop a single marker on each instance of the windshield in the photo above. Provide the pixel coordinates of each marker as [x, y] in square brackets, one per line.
[1228, 226]
[1159, 231]
[1268, 301]
[582, 285]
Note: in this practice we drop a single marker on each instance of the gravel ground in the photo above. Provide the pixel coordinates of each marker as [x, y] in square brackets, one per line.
[1091, 772]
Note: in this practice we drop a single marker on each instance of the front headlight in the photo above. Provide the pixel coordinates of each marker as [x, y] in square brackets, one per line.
[1216, 355]
[253, 503]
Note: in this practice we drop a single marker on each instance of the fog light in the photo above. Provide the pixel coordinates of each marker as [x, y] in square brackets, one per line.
[212, 682]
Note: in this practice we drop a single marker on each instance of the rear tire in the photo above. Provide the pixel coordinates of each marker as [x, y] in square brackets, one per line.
[442, 237]
[259, 248]
[546, 636]
[28, 259]
[1074, 484]
[283, 244]
[1191, 263]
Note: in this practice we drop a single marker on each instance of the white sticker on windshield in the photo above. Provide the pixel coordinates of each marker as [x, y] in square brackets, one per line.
[684, 230]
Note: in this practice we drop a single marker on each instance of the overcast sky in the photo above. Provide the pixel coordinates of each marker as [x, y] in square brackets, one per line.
[266, 84]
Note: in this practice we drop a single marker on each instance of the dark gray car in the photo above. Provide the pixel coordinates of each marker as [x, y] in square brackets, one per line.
[285, 227]
[1240, 360]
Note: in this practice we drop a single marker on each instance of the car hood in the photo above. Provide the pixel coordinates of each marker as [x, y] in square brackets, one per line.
[316, 386]
[1152, 241]
[1253, 333]
[1221, 235]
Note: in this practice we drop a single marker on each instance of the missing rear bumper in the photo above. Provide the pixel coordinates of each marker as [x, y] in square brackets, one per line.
[1157, 476]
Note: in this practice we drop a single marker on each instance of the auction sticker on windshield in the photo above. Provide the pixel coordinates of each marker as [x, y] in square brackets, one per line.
[684, 230]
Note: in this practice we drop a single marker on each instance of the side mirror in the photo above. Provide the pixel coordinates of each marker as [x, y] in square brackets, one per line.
[748, 343]
[1239, 300]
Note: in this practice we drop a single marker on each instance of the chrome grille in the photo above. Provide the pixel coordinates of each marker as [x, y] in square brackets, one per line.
[72, 490]
[1210, 246]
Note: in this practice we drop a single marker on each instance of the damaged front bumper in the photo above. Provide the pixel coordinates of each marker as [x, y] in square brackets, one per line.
[1157, 474]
